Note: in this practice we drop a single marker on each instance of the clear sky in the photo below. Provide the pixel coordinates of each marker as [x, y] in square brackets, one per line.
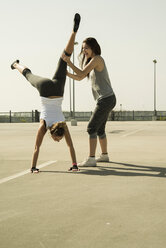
[131, 34]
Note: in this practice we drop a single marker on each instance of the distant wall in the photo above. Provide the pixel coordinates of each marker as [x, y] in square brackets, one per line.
[33, 116]
[139, 115]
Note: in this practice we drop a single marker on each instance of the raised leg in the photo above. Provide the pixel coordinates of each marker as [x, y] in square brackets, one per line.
[70, 45]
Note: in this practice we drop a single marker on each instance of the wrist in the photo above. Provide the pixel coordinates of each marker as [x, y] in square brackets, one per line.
[69, 62]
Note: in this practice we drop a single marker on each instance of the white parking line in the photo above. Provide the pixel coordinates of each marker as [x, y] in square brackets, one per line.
[130, 133]
[6, 179]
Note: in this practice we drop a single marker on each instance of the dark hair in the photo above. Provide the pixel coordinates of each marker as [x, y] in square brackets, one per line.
[95, 47]
[57, 129]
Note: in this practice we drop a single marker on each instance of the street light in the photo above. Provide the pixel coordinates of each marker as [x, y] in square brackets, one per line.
[70, 93]
[75, 43]
[155, 62]
[73, 121]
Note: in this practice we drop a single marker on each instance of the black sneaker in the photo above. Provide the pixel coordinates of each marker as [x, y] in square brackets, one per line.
[74, 168]
[12, 67]
[77, 19]
[34, 170]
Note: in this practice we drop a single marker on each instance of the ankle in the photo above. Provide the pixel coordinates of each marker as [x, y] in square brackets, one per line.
[15, 65]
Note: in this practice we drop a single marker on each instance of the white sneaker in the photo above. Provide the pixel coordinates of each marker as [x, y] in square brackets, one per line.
[90, 162]
[103, 158]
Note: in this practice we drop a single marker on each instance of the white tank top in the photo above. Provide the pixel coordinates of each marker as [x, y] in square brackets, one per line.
[51, 110]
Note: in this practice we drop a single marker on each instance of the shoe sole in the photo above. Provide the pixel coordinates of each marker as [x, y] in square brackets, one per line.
[16, 61]
[77, 20]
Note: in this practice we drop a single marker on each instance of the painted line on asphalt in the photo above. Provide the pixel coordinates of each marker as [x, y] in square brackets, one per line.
[6, 179]
[133, 132]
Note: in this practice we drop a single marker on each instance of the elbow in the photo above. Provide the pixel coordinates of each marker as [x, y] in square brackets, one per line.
[78, 78]
[81, 77]
[36, 150]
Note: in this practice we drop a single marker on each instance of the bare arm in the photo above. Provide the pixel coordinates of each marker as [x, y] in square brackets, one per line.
[39, 138]
[81, 74]
[74, 76]
[70, 145]
[88, 68]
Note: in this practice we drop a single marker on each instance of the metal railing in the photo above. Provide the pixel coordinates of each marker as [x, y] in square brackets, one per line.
[34, 116]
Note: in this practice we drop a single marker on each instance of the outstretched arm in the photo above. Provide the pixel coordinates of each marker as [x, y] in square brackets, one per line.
[70, 145]
[80, 74]
[74, 76]
[39, 138]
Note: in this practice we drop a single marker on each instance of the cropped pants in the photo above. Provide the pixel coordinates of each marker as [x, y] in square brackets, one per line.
[47, 87]
[96, 126]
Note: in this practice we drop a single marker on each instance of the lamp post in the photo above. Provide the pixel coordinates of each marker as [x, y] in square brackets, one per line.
[121, 111]
[74, 121]
[70, 94]
[155, 61]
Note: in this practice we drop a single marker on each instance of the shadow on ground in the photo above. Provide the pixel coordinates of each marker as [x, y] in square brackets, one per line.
[125, 170]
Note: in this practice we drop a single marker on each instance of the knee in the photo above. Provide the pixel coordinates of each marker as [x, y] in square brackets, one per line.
[67, 54]
[37, 148]
[93, 136]
[26, 71]
[92, 133]
[101, 135]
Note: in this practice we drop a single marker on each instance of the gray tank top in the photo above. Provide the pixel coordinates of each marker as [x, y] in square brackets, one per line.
[101, 85]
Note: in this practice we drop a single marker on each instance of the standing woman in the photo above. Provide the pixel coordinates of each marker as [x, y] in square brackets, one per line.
[51, 94]
[93, 67]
